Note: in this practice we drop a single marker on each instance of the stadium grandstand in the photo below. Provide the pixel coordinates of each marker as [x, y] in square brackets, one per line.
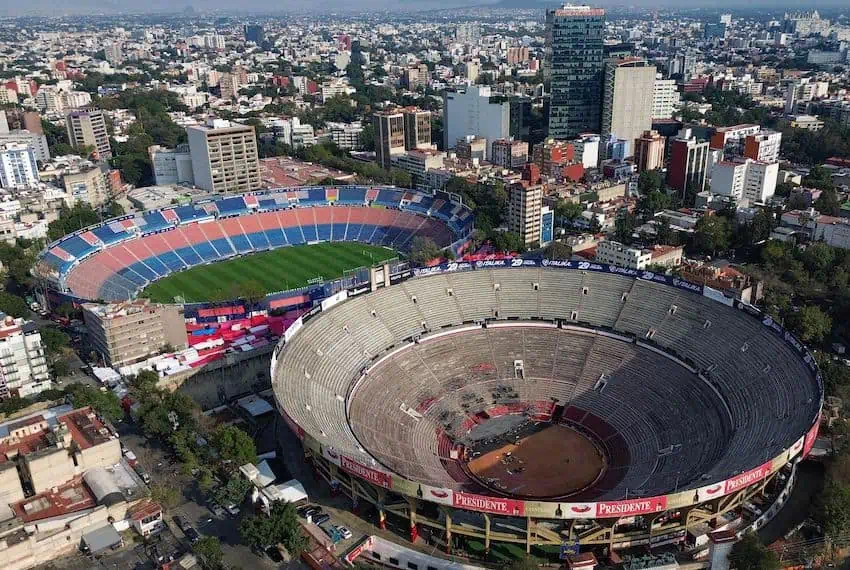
[548, 403]
[116, 259]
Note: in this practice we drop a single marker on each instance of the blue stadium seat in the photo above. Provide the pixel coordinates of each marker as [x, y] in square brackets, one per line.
[315, 195]
[156, 266]
[206, 251]
[189, 213]
[324, 231]
[352, 195]
[352, 232]
[276, 237]
[294, 235]
[259, 240]
[144, 271]
[107, 236]
[378, 235]
[338, 232]
[367, 232]
[129, 273]
[268, 204]
[310, 232]
[222, 246]
[189, 256]
[241, 243]
[154, 222]
[230, 206]
[391, 198]
[171, 261]
[77, 246]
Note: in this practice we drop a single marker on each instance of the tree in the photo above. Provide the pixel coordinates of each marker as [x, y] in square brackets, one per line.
[811, 324]
[828, 203]
[664, 234]
[208, 551]
[424, 249]
[166, 495]
[234, 445]
[163, 413]
[105, 403]
[568, 210]
[750, 554]
[54, 341]
[650, 181]
[652, 202]
[281, 526]
[525, 563]
[509, 242]
[712, 234]
[114, 210]
[13, 305]
[233, 492]
[71, 220]
[624, 227]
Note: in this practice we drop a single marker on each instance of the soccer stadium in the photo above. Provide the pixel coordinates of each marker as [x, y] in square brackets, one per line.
[118, 259]
[549, 406]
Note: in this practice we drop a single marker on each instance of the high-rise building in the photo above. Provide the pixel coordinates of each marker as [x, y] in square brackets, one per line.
[49, 99]
[726, 19]
[525, 204]
[389, 136]
[88, 128]
[468, 32]
[688, 164]
[587, 150]
[509, 153]
[23, 367]
[254, 33]
[4, 123]
[627, 101]
[763, 146]
[574, 58]
[127, 332]
[224, 156]
[745, 179]
[731, 140]
[416, 76]
[417, 128]
[665, 98]
[649, 151]
[18, 168]
[517, 55]
[474, 111]
[471, 70]
[114, 53]
[713, 30]
[558, 158]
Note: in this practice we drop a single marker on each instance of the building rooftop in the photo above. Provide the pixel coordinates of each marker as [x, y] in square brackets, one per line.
[86, 428]
[70, 497]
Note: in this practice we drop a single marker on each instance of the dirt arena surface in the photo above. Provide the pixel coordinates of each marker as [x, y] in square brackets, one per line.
[554, 462]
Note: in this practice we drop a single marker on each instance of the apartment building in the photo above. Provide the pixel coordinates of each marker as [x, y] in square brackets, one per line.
[745, 179]
[91, 185]
[525, 210]
[346, 135]
[88, 128]
[616, 253]
[224, 156]
[471, 148]
[127, 332]
[36, 141]
[23, 368]
[417, 129]
[763, 146]
[649, 151]
[18, 168]
[509, 153]
[171, 166]
[389, 136]
[688, 166]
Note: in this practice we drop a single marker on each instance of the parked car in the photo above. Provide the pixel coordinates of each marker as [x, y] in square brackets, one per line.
[346, 534]
[232, 509]
[311, 511]
[319, 519]
[129, 455]
[332, 533]
[193, 535]
[218, 511]
[181, 524]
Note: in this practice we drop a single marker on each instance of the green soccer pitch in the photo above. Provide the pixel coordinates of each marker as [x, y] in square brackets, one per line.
[276, 270]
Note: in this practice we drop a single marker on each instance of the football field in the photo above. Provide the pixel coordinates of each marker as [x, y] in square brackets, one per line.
[276, 270]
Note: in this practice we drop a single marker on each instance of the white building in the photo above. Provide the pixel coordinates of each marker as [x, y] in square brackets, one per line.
[587, 150]
[335, 88]
[745, 179]
[18, 168]
[22, 361]
[471, 112]
[418, 162]
[615, 253]
[763, 146]
[37, 142]
[224, 156]
[171, 166]
[346, 135]
[665, 98]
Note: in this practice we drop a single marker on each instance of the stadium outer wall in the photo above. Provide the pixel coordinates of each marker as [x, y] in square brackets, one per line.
[586, 523]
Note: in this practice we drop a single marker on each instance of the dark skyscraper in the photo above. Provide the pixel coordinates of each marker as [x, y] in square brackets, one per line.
[574, 59]
[254, 33]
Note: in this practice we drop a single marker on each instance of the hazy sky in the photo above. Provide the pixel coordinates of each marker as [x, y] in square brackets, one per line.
[60, 7]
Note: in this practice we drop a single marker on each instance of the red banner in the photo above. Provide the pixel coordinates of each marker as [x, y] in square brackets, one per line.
[810, 438]
[372, 475]
[631, 507]
[495, 505]
[747, 478]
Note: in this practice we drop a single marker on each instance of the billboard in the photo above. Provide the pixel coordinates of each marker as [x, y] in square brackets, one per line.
[372, 475]
[631, 507]
[495, 505]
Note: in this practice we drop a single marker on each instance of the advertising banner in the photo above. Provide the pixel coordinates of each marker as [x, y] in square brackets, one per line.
[747, 478]
[371, 475]
[495, 505]
[810, 438]
[631, 507]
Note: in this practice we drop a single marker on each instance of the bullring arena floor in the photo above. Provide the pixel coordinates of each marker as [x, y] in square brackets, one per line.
[553, 462]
